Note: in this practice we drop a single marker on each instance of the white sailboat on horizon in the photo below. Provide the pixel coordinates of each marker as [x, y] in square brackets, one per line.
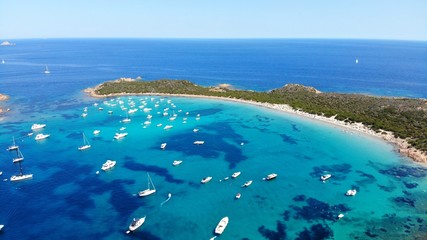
[46, 70]
[148, 191]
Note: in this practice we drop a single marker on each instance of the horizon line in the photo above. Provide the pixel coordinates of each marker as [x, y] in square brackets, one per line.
[213, 38]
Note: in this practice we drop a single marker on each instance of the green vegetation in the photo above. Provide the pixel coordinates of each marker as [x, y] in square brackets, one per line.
[406, 118]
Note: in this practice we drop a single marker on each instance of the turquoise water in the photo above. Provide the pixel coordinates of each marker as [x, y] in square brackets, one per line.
[67, 199]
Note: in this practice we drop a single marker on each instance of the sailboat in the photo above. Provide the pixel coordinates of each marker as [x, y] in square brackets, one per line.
[14, 146]
[86, 144]
[127, 119]
[21, 175]
[46, 70]
[19, 156]
[148, 191]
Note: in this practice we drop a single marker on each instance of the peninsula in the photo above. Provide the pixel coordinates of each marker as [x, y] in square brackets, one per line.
[401, 121]
[3, 98]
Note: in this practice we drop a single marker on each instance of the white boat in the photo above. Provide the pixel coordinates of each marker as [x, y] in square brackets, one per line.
[37, 126]
[325, 177]
[177, 162]
[148, 191]
[46, 70]
[163, 146]
[133, 110]
[136, 223]
[271, 176]
[108, 165]
[21, 177]
[110, 112]
[122, 128]
[195, 130]
[221, 225]
[238, 195]
[14, 146]
[168, 127]
[84, 115]
[1, 227]
[2, 61]
[199, 142]
[357, 61]
[41, 136]
[86, 144]
[19, 156]
[236, 174]
[206, 180]
[96, 132]
[159, 125]
[120, 135]
[247, 184]
[127, 119]
[351, 192]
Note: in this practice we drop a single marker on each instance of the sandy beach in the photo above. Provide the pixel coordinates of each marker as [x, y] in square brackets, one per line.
[401, 145]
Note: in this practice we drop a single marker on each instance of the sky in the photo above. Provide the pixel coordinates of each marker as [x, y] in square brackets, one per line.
[348, 19]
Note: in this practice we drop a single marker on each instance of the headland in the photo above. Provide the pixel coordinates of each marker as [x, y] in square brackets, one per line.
[3, 98]
[400, 121]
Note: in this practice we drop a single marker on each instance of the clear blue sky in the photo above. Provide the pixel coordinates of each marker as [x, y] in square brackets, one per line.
[366, 19]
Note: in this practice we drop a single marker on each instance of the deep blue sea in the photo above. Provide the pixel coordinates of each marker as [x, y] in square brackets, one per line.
[67, 199]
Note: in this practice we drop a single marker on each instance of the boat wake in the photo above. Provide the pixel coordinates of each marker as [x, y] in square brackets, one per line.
[169, 197]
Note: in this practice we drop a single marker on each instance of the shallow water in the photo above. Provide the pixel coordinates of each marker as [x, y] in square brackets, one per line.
[67, 199]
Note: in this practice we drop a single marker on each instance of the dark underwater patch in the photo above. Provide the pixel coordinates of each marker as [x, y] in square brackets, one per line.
[279, 234]
[367, 179]
[316, 232]
[217, 139]
[338, 171]
[404, 201]
[410, 185]
[316, 210]
[299, 198]
[405, 171]
[163, 172]
[295, 128]
[288, 139]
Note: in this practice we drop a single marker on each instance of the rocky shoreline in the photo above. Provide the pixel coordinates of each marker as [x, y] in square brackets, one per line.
[401, 145]
[3, 98]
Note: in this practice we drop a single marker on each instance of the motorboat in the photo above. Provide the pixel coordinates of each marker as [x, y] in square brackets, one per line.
[120, 135]
[108, 165]
[96, 132]
[122, 128]
[221, 225]
[271, 176]
[325, 177]
[236, 174]
[247, 184]
[238, 195]
[159, 125]
[1, 227]
[168, 127]
[206, 180]
[199, 142]
[149, 190]
[37, 126]
[163, 146]
[136, 223]
[177, 162]
[41, 136]
[84, 115]
[351, 192]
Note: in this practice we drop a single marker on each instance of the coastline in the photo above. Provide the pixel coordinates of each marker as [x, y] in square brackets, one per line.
[3, 98]
[401, 145]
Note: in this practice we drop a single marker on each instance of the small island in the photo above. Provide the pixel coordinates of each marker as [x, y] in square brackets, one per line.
[401, 121]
